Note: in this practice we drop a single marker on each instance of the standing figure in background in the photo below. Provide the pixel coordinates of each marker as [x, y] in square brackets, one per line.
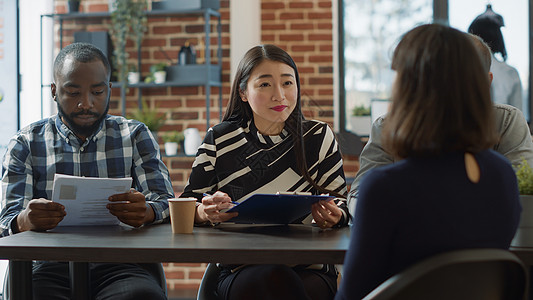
[506, 87]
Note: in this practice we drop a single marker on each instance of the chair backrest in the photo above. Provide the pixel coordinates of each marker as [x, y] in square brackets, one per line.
[208, 285]
[463, 274]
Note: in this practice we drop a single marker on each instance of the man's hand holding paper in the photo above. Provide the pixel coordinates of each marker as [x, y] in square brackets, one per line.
[40, 215]
[131, 208]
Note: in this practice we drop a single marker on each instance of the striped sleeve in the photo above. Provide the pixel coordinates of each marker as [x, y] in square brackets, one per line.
[203, 175]
[330, 170]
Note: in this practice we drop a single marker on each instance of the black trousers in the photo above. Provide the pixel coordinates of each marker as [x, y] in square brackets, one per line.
[127, 281]
[277, 282]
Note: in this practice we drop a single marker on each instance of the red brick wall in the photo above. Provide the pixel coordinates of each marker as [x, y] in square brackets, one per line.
[304, 28]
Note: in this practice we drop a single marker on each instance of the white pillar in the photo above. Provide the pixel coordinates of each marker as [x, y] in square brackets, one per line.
[245, 29]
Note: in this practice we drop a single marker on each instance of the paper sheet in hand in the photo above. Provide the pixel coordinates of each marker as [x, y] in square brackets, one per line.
[274, 208]
[85, 198]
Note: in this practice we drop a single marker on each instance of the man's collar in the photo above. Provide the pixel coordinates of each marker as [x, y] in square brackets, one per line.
[67, 133]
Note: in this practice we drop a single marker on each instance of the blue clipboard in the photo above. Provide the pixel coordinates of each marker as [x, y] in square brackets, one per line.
[274, 208]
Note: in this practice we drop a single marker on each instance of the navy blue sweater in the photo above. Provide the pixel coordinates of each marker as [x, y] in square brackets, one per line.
[419, 207]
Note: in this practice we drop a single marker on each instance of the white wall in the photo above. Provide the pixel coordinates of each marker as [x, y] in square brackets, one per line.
[245, 29]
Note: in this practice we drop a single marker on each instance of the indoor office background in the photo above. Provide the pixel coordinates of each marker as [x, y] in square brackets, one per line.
[342, 49]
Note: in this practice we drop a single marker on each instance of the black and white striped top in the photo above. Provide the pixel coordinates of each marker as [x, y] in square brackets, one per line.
[240, 162]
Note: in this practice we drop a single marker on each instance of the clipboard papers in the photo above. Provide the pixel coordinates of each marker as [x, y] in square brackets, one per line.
[274, 208]
[85, 198]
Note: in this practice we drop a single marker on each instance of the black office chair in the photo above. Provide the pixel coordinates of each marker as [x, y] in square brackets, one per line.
[156, 269]
[464, 274]
[208, 285]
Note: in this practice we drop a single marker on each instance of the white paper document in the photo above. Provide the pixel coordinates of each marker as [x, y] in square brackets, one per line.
[85, 198]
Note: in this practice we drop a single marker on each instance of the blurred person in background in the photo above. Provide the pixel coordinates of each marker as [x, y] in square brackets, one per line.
[506, 87]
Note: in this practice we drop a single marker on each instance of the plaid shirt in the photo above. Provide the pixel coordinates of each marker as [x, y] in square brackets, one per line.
[120, 148]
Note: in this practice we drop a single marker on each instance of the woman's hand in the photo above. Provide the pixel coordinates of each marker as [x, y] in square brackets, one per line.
[211, 206]
[326, 213]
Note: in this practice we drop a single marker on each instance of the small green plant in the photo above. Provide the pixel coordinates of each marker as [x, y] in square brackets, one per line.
[155, 68]
[149, 116]
[158, 67]
[361, 110]
[524, 174]
[132, 68]
[173, 137]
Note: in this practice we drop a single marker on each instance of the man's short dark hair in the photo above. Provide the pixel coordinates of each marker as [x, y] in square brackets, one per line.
[82, 52]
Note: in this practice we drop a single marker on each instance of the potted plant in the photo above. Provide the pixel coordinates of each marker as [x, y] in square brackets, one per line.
[172, 140]
[73, 6]
[524, 176]
[133, 75]
[128, 21]
[360, 121]
[150, 117]
[159, 72]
